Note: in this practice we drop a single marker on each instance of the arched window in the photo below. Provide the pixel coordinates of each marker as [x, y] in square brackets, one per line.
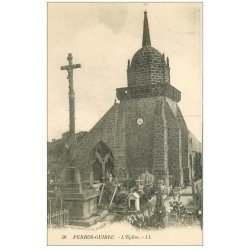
[102, 161]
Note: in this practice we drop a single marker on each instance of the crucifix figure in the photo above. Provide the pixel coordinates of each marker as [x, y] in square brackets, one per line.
[103, 162]
[70, 67]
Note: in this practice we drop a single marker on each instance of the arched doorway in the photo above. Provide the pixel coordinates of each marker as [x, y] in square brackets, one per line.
[102, 162]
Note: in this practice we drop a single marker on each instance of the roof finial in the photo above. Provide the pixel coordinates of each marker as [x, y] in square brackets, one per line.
[145, 4]
[167, 62]
[128, 64]
[146, 36]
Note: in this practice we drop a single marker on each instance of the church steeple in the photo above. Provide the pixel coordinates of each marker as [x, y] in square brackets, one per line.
[148, 73]
[146, 36]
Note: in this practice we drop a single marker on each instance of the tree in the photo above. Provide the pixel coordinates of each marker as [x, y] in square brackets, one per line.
[181, 215]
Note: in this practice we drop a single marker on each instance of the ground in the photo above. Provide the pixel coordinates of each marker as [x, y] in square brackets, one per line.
[125, 234]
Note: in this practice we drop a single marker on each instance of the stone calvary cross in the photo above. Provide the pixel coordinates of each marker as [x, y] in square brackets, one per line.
[70, 67]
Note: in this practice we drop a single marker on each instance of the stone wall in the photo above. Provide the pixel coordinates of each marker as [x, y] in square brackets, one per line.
[160, 147]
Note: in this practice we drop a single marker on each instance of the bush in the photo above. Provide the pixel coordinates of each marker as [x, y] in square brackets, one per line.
[148, 193]
[155, 220]
[120, 198]
[179, 215]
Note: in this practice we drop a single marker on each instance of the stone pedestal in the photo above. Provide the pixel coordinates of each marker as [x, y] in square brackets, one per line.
[80, 206]
[81, 202]
[71, 181]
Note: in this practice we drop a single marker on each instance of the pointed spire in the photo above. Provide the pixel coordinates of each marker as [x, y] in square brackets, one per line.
[128, 64]
[167, 62]
[146, 36]
[163, 58]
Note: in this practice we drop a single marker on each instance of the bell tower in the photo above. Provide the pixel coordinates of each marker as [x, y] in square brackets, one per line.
[148, 73]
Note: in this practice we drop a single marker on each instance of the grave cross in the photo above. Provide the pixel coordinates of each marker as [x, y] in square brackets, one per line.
[139, 181]
[70, 67]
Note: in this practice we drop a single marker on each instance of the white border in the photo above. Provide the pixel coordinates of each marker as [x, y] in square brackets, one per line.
[23, 124]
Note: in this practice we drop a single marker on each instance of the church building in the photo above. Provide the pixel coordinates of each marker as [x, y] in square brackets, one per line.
[145, 130]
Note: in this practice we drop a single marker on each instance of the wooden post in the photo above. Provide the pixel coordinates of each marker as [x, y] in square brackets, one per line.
[63, 219]
[56, 218]
[59, 219]
[113, 196]
[101, 193]
[61, 203]
[67, 216]
[91, 180]
[192, 178]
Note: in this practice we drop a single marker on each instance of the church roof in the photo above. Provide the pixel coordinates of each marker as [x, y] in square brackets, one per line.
[148, 73]
[145, 55]
[135, 195]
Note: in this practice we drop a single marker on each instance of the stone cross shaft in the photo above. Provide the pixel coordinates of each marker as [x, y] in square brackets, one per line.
[70, 67]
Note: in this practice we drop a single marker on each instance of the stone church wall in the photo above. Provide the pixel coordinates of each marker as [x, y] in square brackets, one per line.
[139, 138]
[184, 138]
[160, 149]
[104, 130]
[173, 146]
[153, 146]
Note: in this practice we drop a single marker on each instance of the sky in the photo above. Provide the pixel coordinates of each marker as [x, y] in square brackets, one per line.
[102, 37]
